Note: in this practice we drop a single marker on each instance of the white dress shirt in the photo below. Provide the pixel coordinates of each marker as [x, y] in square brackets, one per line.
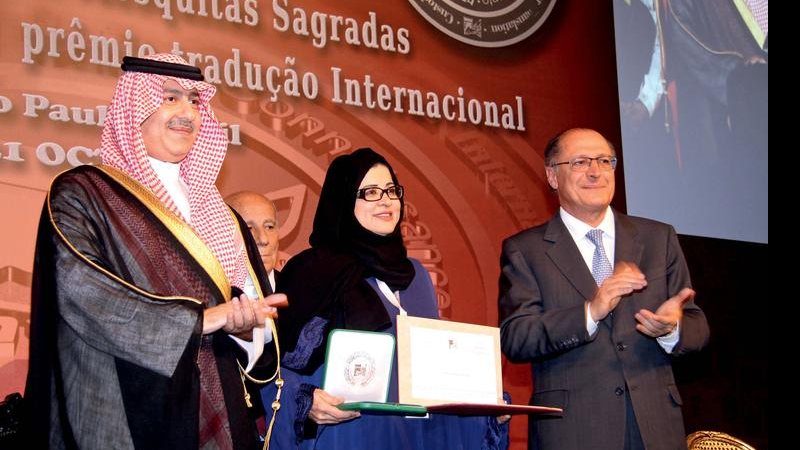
[578, 229]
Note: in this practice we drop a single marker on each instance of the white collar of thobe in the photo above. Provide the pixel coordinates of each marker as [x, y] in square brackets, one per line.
[170, 176]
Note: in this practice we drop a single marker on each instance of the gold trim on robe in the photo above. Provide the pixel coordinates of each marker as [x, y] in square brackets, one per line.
[175, 225]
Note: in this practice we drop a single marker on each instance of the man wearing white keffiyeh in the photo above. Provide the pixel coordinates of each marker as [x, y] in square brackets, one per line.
[147, 298]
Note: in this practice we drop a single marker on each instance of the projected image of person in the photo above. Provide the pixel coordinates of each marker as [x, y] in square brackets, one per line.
[716, 56]
[694, 113]
[706, 68]
[357, 275]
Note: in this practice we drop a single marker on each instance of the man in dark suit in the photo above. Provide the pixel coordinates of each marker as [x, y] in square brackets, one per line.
[599, 302]
[261, 217]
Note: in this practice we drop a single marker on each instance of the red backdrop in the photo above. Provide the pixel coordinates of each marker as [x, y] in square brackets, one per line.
[469, 185]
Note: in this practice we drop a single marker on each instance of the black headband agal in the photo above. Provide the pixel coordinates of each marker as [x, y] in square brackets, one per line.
[133, 64]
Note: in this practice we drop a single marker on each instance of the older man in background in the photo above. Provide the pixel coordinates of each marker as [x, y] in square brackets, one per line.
[261, 217]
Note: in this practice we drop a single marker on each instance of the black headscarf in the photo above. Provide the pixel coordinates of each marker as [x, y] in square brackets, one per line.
[329, 279]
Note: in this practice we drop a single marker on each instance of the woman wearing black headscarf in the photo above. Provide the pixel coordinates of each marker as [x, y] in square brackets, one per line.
[357, 275]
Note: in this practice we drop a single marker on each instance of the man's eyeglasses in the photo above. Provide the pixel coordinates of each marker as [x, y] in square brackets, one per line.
[582, 163]
[373, 194]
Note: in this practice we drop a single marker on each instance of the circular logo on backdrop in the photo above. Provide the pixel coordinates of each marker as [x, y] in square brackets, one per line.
[359, 369]
[485, 23]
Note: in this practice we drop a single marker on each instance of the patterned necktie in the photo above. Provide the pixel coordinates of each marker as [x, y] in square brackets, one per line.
[601, 267]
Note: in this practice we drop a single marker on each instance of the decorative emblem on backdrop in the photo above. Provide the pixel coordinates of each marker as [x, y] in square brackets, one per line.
[485, 23]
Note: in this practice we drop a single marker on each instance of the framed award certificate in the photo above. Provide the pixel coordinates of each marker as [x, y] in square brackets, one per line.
[443, 367]
[448, 362]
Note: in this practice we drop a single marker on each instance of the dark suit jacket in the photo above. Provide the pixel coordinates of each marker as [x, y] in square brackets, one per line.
[544, 285]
